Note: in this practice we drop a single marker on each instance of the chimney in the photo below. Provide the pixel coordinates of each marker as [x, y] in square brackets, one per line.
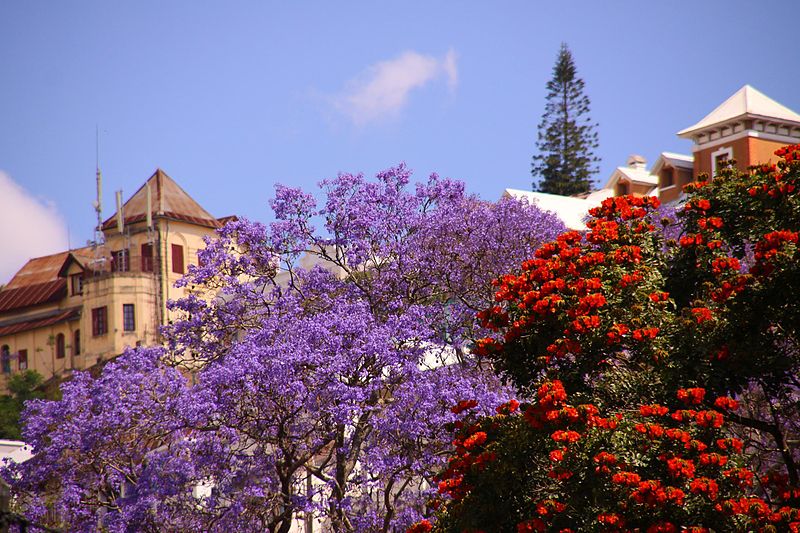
[637, 161]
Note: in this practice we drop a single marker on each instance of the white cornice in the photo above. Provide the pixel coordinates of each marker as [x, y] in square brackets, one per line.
[747, 133]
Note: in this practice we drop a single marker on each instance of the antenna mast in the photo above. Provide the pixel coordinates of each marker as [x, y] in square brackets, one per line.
[99, 260]
[98, 203]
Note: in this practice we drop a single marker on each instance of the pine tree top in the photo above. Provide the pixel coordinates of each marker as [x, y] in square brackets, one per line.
[567, 137]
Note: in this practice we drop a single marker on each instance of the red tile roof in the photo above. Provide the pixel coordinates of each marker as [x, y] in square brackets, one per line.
[168, 200]
[70, 314]
[33, 294]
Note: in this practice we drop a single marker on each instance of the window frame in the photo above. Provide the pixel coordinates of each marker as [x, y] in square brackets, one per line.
[5, 359]
[121, 260]
[99, 321]
[76, 279]
[128, 317]
[61, 346]
[727, 151]
[76, 342]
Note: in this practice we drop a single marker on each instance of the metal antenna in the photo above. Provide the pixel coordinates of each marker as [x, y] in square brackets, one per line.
[98, 204]
[99, 237]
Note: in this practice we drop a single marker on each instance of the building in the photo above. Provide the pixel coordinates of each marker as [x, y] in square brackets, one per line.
[76, 308]
[747, 128]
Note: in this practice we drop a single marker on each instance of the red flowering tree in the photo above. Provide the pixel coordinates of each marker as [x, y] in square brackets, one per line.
[650, 340]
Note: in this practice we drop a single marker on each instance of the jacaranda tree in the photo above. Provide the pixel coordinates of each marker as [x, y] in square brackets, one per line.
[658, 377]
[306, 375]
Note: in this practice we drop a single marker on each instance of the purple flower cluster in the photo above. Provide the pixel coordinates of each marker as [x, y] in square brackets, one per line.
[324, 364]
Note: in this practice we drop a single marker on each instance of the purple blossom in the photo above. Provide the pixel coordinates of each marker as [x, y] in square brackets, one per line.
[325, 365]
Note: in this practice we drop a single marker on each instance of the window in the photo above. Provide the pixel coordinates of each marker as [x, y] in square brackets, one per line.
[99, 321]
[61, 348]
[119, 261]
[5, 359]
[76, 283]
[147, 258]
[623, 188]
[76, 342]
[23, 359]
[128, 317]
[177, 258]
[720, 158]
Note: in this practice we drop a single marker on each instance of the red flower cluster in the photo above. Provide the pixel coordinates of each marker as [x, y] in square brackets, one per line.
[659, 296]
[653, 410]
[726, 403]
[507, 408]
[653, 493]
[693, 396]
[464, 405]
[710, 222]
[423, 526]
[722, 265]
[789, 153]
[768, 249]
[624, 207]
[702, 314]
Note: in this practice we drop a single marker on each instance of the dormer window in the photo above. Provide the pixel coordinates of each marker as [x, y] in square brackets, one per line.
[76, 284]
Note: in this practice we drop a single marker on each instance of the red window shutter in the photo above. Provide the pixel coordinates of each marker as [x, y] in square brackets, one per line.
[147, 258]
[177, 258]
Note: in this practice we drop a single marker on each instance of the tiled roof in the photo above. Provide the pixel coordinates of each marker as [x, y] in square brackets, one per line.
[747, 101]
[18, 327]
[168, 200]
[32, 294]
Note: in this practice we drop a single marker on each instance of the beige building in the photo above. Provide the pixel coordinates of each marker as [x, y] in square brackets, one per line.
[76, 308]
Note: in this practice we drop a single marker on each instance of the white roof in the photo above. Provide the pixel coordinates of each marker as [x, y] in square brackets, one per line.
[569, 209]
[678, 160]
[14, 450]
[674, 160]
[635, 175]
[747, 101]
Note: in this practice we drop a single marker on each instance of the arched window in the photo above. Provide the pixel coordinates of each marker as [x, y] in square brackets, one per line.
[61, 349]
[76, 342]
[5, 359]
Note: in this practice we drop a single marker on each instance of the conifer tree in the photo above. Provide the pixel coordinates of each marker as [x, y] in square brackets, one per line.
[565, 161]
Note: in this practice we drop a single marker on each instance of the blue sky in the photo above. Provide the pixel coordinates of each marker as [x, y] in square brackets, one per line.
[230, 98]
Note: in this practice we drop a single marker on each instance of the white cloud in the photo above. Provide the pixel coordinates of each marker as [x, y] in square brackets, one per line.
[29, 228]
[383, 89]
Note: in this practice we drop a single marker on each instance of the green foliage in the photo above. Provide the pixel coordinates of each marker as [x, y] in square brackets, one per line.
[567, 138]
[23, 386]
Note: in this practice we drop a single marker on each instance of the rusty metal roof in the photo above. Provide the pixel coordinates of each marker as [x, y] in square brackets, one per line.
[33, 294]
[38, 270]
[70, 314]
[46, 268]
[168, 200]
